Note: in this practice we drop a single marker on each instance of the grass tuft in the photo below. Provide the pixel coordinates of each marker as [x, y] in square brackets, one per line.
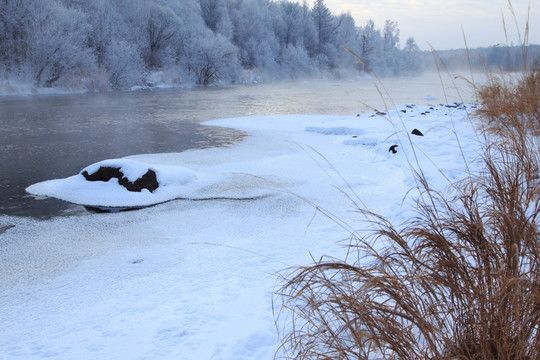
[511, 103]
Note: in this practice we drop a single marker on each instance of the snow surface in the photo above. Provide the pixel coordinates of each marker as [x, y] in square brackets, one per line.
[193, 279]
[76, 189]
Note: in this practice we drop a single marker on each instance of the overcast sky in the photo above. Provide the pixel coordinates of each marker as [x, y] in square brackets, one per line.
[439, 23]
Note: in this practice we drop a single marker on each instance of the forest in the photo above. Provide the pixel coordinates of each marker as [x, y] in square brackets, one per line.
[120, 44]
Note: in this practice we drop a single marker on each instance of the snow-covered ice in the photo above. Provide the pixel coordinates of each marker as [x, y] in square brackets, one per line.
[193, 278]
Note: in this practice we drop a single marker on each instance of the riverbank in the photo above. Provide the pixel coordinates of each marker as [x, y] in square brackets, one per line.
[194, 279]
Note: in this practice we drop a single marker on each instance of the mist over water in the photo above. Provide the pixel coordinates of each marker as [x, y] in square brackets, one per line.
[48, 137]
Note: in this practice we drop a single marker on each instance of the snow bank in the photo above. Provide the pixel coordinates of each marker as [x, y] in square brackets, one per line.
[193, 279]
[76, 189]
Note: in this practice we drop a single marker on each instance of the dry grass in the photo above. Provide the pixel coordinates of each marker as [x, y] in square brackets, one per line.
[461, 280]
[511, 102]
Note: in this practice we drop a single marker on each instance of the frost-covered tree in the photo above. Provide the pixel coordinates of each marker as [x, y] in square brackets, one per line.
[413, 61]
[13, 34]
[212, 58]
[325, 30]
[216, 16]
[191, 25]
[123, 64]
[253, 33]
[288, 25]
[309, 33]
[161, 25]
[391, 52]
[370, 46]
[295, 62]
[324, 23]
[57, 43]
[346, 36]
[212, 11]
[82, 43]
[103, 21]
[390, 36]
[43, 42]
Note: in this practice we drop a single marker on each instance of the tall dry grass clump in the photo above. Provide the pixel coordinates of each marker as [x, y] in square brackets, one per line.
[461, 280]
[511, 102]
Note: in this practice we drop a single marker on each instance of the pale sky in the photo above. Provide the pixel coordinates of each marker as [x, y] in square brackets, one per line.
[441, 23]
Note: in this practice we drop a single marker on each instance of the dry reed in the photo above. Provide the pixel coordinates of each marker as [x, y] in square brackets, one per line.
[461, 280]
[511, 102]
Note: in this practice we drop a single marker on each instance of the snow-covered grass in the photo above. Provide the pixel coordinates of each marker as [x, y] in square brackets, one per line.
[193, 279]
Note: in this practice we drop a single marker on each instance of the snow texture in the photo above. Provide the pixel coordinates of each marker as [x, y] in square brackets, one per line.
[193, 279]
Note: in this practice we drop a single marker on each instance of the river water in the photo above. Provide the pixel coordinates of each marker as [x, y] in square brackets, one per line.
[46, 137]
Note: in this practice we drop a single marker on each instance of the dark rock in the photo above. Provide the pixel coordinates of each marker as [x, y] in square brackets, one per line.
[417, 132]
[456, 105]
[105, 173]
[393, 149]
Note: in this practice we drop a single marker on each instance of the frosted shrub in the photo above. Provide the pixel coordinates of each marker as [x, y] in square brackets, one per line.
[296, 62]
[212, 59]
[123, 64]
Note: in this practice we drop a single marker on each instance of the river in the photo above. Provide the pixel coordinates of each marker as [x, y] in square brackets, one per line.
[45, 137]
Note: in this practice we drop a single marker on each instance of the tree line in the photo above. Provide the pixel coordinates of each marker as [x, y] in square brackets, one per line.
[103, 44]
[496, 57]
[118, 44]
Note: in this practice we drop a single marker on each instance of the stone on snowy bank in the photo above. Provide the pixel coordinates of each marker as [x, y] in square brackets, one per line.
[105, 173]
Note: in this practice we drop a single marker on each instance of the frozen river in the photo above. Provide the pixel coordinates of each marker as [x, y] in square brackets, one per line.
[55, 136]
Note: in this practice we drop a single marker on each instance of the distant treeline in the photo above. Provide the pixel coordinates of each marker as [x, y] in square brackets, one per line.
[104, 44]
[499, 57]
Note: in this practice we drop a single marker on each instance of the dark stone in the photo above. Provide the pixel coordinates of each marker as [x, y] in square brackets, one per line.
[105, 173]
[393, 149]
[456, 105]
[147, 181]
[417, 132]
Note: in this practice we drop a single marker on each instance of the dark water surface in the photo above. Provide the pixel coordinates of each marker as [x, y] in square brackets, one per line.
[49, 137]
[46, 137]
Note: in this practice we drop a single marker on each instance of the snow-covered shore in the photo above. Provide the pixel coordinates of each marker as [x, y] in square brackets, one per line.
[193, 279]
